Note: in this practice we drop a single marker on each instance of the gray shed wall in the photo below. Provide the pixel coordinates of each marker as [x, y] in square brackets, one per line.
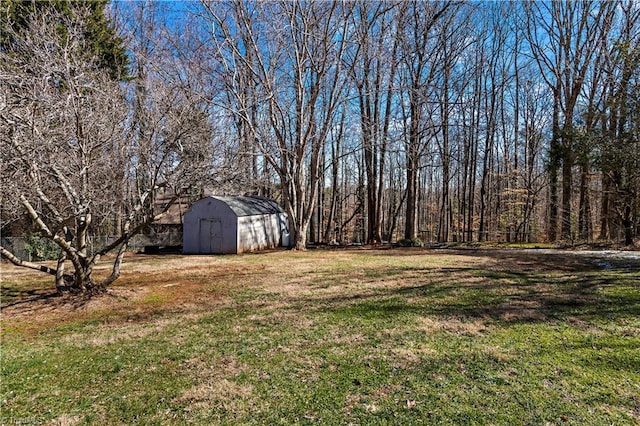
[210, 226]
[258, 232]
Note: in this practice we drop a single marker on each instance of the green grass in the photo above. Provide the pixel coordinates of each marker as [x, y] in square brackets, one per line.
[361, 337]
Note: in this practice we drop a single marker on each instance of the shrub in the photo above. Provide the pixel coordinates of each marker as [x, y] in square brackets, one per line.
[413, 242]
[40, 248]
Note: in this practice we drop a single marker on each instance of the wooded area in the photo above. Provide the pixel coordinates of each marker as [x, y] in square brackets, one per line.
[369, 121]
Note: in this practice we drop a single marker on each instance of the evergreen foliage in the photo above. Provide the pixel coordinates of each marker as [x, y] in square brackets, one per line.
[101, 36]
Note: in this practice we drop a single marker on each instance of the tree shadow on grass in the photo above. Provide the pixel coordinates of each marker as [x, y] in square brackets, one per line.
[13, 296]
[578, 298]
[19, 299]
[511, 288]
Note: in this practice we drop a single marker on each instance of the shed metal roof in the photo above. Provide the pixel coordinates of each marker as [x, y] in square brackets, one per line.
[251, 206]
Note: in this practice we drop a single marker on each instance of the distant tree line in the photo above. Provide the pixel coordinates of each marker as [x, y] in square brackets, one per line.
[369, 121]
[448, 121]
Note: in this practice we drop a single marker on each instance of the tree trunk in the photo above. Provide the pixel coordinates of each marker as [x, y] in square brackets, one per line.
[410, 213]
[584, 219]
[554, 165]
[567, 184]
[445, 208]
[627, 223]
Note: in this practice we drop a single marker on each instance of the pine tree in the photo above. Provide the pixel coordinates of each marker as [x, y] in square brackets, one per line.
[101, 36]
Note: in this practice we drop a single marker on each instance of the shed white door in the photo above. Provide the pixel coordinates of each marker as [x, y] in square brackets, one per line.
[210, 236]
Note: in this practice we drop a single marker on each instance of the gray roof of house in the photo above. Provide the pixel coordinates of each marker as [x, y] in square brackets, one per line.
[251, 206]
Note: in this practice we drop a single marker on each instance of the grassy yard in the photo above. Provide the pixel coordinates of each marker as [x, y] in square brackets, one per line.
[357, 337]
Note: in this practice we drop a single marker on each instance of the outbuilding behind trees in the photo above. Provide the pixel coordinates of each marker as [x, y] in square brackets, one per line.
[228, 225]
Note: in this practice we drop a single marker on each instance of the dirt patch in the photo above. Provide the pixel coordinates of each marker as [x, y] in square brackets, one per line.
[149, 286]
[50, 303]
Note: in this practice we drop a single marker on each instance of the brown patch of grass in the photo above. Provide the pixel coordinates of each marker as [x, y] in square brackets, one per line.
[215, 384]
[65, 420]
[112, 333]
[224, 367]
[344, 338]
[214, 392]
[149, 286]
[523, 310]
[404, 357]
[470, 328]
[498, 354]
[370, 403]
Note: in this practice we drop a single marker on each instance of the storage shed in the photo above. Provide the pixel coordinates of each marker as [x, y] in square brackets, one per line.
[226, 225]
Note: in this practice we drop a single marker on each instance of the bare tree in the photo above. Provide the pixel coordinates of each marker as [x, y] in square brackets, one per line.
[295, 59]
[68, 149]
[563, 37]
[421, 56]
[373, 63]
